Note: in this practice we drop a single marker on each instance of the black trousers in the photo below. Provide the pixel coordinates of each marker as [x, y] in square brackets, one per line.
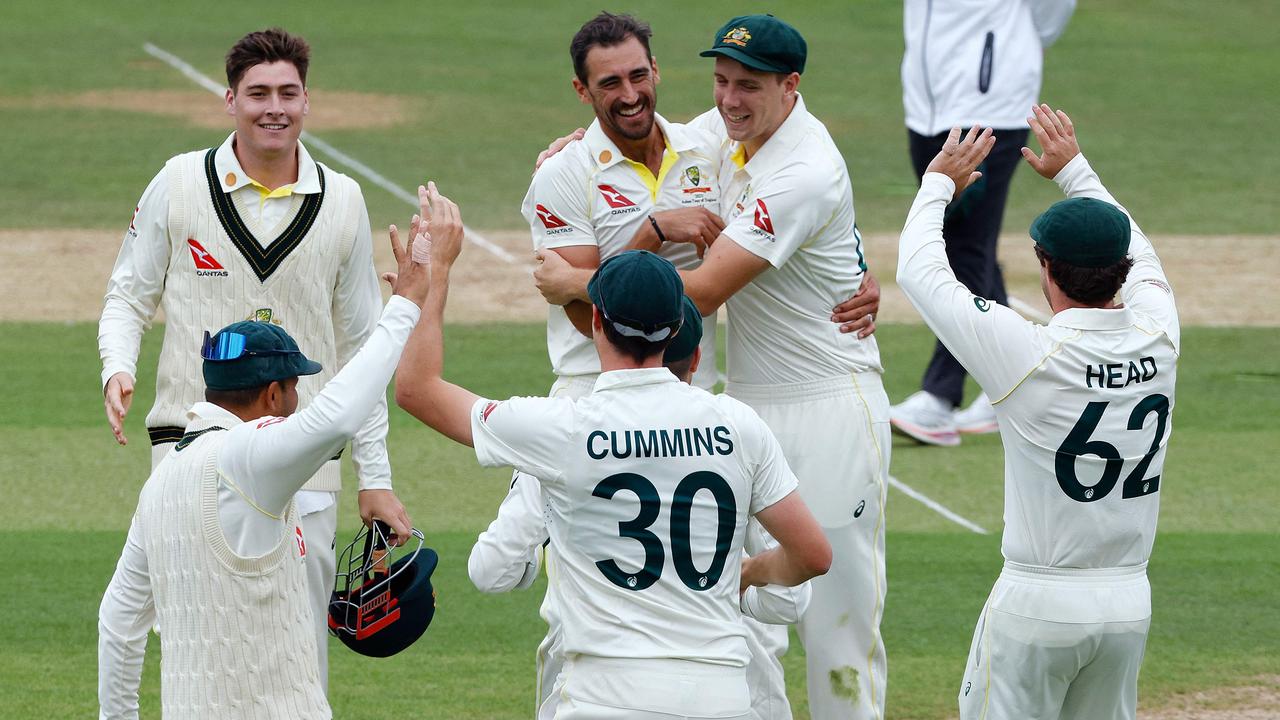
[971, 228]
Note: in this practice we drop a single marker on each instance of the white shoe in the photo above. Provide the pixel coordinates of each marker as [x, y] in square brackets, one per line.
[926, 418]
[977, 419]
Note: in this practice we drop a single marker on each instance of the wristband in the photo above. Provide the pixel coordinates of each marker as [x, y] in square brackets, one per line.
[661, 238]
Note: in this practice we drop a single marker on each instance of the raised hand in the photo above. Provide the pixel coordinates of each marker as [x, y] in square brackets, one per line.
[444, 220]
[412, 278]
[1057, 138]
[959, 158]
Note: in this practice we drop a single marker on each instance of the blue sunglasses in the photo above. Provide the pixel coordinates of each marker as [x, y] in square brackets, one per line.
[231, 346]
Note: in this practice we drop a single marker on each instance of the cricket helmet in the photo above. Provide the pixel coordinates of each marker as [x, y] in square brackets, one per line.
[381, 606]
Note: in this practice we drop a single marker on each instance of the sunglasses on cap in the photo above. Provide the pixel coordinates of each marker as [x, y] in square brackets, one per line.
[231, 346]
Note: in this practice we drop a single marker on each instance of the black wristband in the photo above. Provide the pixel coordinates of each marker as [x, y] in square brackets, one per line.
[661, 238]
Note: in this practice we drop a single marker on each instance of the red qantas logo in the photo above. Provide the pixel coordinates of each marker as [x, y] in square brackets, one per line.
[549, 218]
[614, 198]
[488, 410]
[204, 261]
[134, 219]
[302, 544]
[763, 220]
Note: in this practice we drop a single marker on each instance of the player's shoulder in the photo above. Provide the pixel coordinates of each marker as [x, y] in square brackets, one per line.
[335, 179]
[571, 165]
[697, 137]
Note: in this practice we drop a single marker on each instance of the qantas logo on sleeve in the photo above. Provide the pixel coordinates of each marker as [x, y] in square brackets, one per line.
[763, 220]
[548, 218]
[488, 410]
[302, 543]
[206, 264]
[614, 198]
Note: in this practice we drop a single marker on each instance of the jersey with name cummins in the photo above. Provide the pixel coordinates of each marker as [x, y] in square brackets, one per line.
[649, 484]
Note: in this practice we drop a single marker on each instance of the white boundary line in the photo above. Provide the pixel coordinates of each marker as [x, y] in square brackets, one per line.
[360, 168]
[1027, 310]
[936, 506]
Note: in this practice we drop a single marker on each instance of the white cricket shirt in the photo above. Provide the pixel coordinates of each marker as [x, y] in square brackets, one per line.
[649, 483]
[591, 194]
[1084, 403]
[792, 205]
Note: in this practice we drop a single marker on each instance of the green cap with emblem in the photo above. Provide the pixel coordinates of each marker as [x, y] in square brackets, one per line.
[640, 294]
[685, 341]
[1083, 232]
[251, 354]
[761, 42]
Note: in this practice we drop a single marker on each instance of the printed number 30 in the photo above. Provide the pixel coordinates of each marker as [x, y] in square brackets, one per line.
[681, 506]
[1078, 443]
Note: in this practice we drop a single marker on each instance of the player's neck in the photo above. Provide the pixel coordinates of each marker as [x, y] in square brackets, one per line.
[647, 151]
[1058, 301]
[269, 170]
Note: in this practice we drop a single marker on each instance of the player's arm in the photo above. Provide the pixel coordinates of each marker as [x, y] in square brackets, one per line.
[558, 210]
[269, 460]
[133, 294]
[1050, 18]
[987, 338]
[357, 306]
[421, 389]
[802, 553]
[585, 258]
[772, 604]
[125, 617]
[1146, 288]
[506, 555]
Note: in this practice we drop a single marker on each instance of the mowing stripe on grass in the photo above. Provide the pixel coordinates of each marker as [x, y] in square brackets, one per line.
[360, 168]
[936, 506]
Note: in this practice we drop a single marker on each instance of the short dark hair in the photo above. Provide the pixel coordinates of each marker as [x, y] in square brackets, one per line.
[636, 348]
[606, 30]
[244, 397]
[267, 46]
[1087, 285]
[680, 368]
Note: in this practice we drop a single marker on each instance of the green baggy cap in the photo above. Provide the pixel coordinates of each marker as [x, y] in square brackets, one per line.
[686, 341]
[640, 294]
[1083, 232]
[761, 42]
[251, 354]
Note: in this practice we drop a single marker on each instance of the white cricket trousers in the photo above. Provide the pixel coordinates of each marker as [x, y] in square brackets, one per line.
[599, 688]
[319, 531]
[1080, 665]
[835, 435]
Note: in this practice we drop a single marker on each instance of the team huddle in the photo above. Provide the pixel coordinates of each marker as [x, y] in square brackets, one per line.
[682, 532]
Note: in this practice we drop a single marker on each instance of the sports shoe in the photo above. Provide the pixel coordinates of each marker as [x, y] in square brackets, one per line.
[926, 418]
[977, 419]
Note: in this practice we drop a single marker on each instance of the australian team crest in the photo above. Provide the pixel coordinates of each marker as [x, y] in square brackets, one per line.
[694, 175]
[265, 315]
[737, 36]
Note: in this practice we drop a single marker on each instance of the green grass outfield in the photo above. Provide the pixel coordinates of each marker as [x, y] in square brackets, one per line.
[69, 492]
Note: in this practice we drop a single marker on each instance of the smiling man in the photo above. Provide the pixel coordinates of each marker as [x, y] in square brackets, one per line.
[254, 229]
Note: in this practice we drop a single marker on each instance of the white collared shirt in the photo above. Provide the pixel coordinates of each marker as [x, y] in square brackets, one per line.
[1091, 384]
[591, 194]
[649, 483]
[138, 281]
[792, 205]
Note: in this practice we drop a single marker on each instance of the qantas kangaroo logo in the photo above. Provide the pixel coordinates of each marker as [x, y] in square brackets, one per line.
[763, 220]
[614, 198]
[548, 218]
[204, 261]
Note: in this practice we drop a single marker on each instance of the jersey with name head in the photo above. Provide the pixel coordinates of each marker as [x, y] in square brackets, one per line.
[1084, 404]
[649, 484]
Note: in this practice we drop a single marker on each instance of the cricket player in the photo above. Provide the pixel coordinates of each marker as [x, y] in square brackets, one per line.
[508, 553]
[649, 483]
[254, 229]
[789, 252]
[1084, 408]
[215, 552]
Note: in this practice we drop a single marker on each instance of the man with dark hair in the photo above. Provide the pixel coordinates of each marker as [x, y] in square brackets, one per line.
[1084, 408]
[254, 229]
[649, 483]
[789, 251]
[215, 552]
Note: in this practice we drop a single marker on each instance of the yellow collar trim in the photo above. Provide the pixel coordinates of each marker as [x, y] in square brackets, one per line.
[669, 159]
[739, 156]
